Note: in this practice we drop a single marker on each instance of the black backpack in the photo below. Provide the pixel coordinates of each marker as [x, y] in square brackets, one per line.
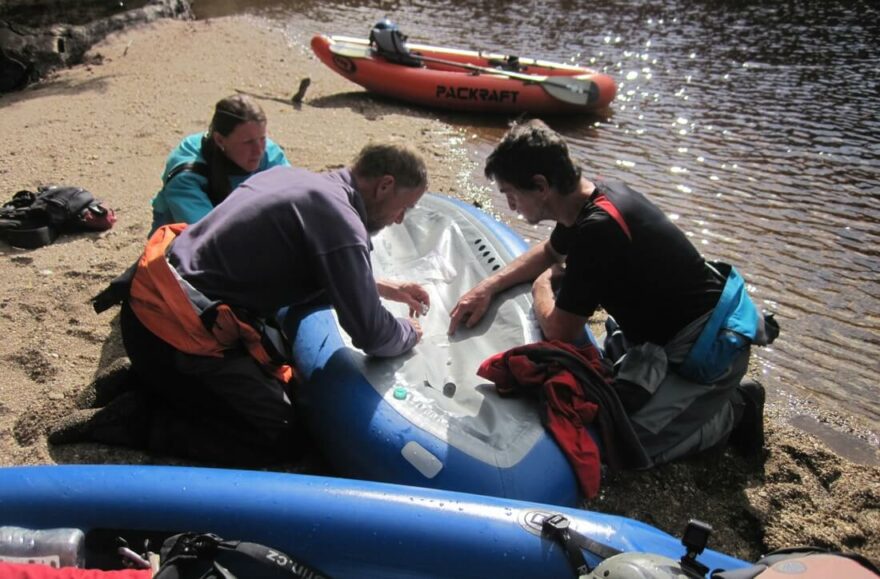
[388, 42]
[207, 556]
[30, 220]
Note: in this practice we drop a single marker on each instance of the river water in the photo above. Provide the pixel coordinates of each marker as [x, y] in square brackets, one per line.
[754, 124]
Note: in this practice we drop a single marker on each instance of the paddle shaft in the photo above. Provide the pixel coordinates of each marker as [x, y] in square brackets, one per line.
[486, 69]
[565, 88]
[568, 82]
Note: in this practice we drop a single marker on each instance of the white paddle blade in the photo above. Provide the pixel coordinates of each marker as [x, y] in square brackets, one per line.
[576, 91]
[350, 50]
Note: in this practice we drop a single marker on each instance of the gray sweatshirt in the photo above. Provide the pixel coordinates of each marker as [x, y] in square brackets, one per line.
[291, 237]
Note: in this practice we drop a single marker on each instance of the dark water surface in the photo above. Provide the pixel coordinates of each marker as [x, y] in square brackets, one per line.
[756, 125]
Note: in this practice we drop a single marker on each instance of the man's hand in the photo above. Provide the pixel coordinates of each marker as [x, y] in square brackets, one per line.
[471, 307]
[409, 293]
[418, 328]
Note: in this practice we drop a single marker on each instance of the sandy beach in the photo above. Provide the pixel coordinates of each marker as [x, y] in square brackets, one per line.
[108, 126]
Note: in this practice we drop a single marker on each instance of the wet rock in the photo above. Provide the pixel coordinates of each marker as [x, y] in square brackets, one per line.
[28, 52]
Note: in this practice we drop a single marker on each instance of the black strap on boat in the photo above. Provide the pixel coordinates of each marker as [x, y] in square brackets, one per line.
[195, 555]
[510, 63]
[558, 528]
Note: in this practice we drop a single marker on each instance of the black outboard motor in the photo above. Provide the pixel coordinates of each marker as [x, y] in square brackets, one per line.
[389, 43]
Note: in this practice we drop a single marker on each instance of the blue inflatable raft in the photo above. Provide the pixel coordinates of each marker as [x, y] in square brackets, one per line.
[427, 419]
[342, 528]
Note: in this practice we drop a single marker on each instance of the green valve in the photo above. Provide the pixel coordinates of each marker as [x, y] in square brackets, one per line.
[400, 393]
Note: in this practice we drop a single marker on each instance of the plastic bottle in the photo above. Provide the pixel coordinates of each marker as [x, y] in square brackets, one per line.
[53, 547]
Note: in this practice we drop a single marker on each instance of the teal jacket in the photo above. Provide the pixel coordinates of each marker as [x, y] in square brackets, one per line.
[732, 327]
[183, 199]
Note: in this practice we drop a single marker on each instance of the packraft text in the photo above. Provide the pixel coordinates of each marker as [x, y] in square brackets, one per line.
[476, 94]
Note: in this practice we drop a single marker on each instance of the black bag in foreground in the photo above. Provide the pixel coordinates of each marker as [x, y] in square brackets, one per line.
[207, 556]
[31, 220]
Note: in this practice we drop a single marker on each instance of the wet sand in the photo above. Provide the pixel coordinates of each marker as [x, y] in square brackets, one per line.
[108, 126]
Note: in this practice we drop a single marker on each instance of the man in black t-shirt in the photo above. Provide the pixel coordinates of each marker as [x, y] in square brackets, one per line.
[653, 283]
[612, 248]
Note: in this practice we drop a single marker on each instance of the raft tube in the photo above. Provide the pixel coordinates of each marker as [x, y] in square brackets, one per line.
[341, 528]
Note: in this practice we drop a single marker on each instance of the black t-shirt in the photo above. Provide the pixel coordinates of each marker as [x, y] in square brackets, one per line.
[641, 269]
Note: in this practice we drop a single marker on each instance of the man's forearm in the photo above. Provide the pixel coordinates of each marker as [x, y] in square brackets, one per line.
[525, 268]
[383, 287]
[543, 302]
[556, 324]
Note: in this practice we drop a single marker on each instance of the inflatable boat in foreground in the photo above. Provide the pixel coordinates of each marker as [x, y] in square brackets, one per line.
[339, 528]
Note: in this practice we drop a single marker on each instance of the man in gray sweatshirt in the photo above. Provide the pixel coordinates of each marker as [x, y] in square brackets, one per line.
[285, 237]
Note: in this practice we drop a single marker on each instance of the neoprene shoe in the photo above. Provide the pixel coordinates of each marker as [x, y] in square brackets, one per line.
[123, 422]
[748, 435]
[109, 383]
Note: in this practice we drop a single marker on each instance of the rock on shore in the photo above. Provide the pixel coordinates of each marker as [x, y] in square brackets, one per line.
[28, 53]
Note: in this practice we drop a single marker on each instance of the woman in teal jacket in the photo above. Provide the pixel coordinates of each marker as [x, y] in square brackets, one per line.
[205, 167]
